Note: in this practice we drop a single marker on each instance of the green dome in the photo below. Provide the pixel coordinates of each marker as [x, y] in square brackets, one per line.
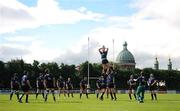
[125, 57]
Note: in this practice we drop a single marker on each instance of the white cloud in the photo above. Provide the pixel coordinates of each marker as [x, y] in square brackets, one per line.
[152, 31]
[28, 48]
[15, 15]
[19, 39]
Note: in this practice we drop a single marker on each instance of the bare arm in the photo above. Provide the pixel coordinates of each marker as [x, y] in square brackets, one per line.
[107, 49]
[100, 50]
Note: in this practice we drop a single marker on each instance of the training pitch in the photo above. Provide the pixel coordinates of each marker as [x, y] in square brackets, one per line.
[165, 102]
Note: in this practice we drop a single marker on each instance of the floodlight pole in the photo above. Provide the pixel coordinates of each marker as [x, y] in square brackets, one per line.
[88, 86]
[113, 55]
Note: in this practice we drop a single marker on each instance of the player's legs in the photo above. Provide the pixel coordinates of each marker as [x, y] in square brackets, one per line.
[11, 94]
[130, 92]
[37, 92]
[64, 92]
[59, 89]
[71, 93]
[81, 91]
[133, 92]
[107, 92]
[114, 93]
[27, 96]
[154, 93]
[17, 94]
[97, 95]
[110, 91]
[103, 91]
[53, 94]
[47, 92]
[138, 92]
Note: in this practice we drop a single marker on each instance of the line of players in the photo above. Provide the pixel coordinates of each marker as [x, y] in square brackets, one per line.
[105, 84]
[45, 84]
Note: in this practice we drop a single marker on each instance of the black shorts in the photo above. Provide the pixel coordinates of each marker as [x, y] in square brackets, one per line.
[105, 61]
[132, 87]
[50, 86]
[152, 88]
[103, 87]
[15, 88]
[61, 86]
[25, 88]
[110, 85]
[41, 87]
[83, 87]
[69, 88]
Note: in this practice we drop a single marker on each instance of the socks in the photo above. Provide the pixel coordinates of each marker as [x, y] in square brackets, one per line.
[155, 96]
[87, 95]
[11, 95]
[130, 96]
[36, 95]
[80, 95]
[97, 95]
[152, 97]
[27, 98]
[17, 95]
[111, 96]
[115, 96]
[135, 96]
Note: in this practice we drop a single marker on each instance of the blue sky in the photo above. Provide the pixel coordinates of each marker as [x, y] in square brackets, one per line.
[57, 30]
[53, 34]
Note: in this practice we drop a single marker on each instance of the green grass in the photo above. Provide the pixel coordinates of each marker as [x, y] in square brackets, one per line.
[166, 102]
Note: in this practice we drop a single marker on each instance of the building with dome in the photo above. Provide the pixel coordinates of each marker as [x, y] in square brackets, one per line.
[125, 59]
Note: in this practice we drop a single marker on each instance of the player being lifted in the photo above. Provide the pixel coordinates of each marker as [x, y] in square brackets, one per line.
[40, 85]
[141, 88]
[61, 85]
[132, 87]
[105, 64]
[49, 84]
[83, 87]
[110, 83]
[69, 87]
[25, 83]
[152, 83]
[14, 86]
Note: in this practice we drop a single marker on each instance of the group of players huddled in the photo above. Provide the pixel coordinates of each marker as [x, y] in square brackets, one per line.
[137, 87]
[46, 84]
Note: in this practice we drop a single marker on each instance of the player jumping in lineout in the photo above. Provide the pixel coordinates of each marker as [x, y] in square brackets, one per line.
[105, 63]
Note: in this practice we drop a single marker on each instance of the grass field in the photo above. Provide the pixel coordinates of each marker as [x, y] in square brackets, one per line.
[166, 102]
